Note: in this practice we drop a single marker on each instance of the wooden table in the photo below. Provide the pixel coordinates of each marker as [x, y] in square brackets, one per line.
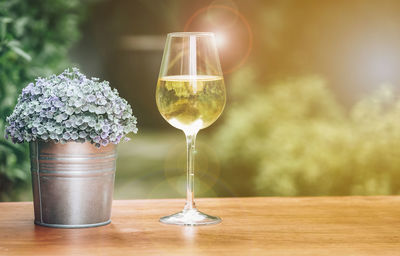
[251, 226]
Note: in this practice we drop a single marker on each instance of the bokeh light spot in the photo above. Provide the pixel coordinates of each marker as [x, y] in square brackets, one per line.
[236, 44]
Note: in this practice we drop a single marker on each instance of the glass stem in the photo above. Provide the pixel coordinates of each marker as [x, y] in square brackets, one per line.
[190, 144]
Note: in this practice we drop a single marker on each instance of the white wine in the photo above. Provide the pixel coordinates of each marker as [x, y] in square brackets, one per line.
[190, 103]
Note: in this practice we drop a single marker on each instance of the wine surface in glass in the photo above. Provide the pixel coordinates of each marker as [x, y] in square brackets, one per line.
[190, 103]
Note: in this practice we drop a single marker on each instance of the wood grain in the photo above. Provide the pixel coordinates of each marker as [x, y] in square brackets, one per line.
[251, 226]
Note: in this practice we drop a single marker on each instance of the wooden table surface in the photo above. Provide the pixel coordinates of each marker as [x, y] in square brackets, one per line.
[251, 226]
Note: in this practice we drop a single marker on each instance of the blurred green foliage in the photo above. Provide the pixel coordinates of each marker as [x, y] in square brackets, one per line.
[35, 36]
[293, 138]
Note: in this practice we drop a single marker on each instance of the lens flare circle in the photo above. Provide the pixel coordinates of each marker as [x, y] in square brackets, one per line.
[218, 16]
[241, 18]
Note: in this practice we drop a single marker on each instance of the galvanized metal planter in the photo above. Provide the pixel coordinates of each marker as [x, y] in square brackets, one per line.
[72, 183]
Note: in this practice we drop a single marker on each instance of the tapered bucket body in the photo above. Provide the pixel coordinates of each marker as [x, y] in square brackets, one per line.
[72, 183]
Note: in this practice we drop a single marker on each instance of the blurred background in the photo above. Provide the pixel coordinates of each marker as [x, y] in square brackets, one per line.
[313, 106]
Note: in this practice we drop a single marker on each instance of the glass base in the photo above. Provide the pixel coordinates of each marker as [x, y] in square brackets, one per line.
[191, 217]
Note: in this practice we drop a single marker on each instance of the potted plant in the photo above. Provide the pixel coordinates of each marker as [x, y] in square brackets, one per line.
[72, 124]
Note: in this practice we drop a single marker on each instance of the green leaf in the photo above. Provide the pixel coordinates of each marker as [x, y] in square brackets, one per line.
[14, 45]
[40, 32]
[3, 26]
[20, 174]
[20, 25]
[5, 20]
[11, 146]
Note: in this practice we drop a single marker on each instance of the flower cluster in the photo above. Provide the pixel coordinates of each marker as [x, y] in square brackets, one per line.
[70, 107]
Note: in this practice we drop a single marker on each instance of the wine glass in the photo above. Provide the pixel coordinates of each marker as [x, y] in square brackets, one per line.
[190, 95]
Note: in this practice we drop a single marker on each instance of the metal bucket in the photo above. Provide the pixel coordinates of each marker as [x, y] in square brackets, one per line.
[72, 184]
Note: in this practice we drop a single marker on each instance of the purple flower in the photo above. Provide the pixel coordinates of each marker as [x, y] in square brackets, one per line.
[78, 103]
[82, 134]
[117, 111]
[85, 107]
[36, 90]
[57, 103]
[92, 123]
[66, 136]
[40, 130]
[53, 135]
[97, 139]
[92, 108]
[43, 113]
[68, 124]
[74, 135]
[106, 128]
[79, 121]
[27, 89]
[49, 114]
[69, 111]
[101, 101]
[59, 118]
[91, 98]
[100, 110]
[104, 135]
[83, 126]
[57, 108]
[104, 142]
